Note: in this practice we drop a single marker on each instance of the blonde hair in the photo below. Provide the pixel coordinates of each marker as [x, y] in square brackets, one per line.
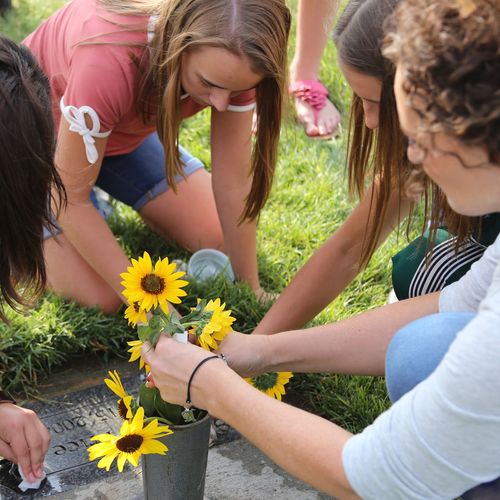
[255, 29]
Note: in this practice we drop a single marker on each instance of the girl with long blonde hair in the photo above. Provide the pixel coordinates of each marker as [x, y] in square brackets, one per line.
[124, 74]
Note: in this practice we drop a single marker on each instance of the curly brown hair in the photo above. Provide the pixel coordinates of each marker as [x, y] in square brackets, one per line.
[450, 51]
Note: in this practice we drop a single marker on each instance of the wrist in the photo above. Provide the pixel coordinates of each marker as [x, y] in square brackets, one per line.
[224, 393]
[267, 360]
[204, 384]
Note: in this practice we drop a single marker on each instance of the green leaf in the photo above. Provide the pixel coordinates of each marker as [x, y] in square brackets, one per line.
[144, 331]
[168, 410]
[147, 399]
[154, 338]
[171, 324]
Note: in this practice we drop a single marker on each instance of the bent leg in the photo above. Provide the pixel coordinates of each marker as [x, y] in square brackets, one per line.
[414, 353]
[69, 275]
[189, 216]
[417, 349]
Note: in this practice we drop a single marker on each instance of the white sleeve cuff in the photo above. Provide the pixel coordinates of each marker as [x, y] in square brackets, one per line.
[76, 119]
[241, 109]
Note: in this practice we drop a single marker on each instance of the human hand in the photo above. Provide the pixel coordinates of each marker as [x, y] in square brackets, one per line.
[263, 296]
[24, 440]
[244, 353]
[172, 364]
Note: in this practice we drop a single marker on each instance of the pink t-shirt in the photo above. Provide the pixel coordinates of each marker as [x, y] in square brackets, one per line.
[99, 79]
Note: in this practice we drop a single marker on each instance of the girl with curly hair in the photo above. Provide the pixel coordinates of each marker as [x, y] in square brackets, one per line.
[440, 437]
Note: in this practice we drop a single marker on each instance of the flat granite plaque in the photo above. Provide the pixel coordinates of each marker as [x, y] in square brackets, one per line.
[72, 420]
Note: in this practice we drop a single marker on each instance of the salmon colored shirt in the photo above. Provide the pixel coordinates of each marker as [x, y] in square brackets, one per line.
[86, 53]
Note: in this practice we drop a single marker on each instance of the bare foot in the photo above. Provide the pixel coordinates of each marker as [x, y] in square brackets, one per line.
[328, 119]
[327, 122]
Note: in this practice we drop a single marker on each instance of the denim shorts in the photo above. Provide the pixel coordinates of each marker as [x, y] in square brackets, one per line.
[138, 177]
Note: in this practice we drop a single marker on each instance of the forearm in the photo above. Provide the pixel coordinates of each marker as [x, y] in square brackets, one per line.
[356, 345]
[239, 239]
[308, 447]
[303, 299]
[334, 266]
[231, 180]
[88, 232]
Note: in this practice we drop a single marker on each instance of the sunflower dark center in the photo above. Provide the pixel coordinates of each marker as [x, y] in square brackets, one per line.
[122, 409]
[265, 381]
[152, 283]
[130, 443]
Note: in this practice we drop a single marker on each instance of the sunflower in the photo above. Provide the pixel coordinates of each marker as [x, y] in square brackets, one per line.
[135, 353]
[218, 326]
[124, 403]
[153, 287]
[134, 440]
[135, 314]
[272, 383]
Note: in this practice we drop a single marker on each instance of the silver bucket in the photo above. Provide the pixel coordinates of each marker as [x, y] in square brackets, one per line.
[180, 474]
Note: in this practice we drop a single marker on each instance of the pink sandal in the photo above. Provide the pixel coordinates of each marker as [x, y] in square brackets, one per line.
[313, 93]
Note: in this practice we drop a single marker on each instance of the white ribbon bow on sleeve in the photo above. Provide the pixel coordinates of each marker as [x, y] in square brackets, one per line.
[76, 119]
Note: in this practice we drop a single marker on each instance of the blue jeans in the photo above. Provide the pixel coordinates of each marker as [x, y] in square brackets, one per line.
[414, 353]
[139, 176]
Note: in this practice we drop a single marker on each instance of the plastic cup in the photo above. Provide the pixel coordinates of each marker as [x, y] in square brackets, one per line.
[208, 262]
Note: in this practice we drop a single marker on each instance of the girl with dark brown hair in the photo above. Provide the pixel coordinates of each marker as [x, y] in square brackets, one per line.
[377, 156]
[124, 75]
[27, 178]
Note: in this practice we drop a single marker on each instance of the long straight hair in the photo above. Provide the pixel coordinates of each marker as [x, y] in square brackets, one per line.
[255, 29]
[29, 181]
[380, 155]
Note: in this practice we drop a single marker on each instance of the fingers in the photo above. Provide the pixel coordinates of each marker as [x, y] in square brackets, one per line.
[21, 451]
[147, 352]
[38, 439]
[24, 440]
[7, 452]
[150, 383]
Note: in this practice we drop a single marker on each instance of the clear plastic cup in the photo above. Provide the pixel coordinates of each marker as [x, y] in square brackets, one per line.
[209, 262]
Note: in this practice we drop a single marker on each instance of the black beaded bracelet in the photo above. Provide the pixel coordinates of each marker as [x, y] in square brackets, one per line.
[196, 368]
[6, 398]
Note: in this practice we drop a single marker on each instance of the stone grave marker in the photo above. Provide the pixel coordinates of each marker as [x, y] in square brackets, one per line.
[72, 420]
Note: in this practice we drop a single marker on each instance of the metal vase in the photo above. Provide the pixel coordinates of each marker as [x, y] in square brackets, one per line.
[180, 474]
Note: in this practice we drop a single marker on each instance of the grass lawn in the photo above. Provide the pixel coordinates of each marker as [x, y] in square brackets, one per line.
[307, 204]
